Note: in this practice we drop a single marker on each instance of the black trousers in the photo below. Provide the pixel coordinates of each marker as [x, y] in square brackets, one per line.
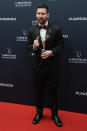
[46, 83]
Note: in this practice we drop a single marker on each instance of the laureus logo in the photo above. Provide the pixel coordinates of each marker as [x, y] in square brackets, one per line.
[9, 50]
[78, 53]
[24, 32]
[22, 37]
[23, 4]
[78, 58]
[8, 54]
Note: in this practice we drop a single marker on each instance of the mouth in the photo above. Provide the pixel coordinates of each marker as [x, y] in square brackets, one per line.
[40, 20]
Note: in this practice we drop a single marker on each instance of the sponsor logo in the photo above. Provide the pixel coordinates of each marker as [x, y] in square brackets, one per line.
[6, 85]
[78, 58]
[8, 54]
[81, 93]
[34, 22]
[23, 37]
[7, 19]
[77, 18]
[32, 54]
[23, 4]
[65, 36]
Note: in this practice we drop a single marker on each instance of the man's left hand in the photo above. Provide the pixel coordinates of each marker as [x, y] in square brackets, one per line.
[46, 54]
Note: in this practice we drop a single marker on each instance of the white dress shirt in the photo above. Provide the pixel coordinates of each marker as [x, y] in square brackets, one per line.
[43, 32]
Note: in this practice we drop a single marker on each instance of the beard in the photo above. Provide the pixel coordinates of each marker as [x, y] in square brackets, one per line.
[41, 21]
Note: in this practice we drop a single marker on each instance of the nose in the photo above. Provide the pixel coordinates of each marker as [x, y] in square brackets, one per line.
[40, 15]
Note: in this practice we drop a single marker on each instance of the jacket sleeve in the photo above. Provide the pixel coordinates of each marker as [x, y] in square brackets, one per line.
[59, 42]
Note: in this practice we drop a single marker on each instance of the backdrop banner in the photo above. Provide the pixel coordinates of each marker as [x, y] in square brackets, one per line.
[16, 62]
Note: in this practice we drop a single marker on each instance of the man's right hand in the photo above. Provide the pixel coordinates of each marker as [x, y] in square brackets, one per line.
[36, 43]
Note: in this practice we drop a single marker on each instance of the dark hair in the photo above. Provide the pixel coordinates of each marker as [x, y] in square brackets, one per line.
[41, 5]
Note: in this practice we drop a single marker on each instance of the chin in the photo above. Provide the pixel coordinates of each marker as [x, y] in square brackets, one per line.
[42, 22]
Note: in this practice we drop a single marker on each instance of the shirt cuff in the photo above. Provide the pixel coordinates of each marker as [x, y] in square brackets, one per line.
[34, 48]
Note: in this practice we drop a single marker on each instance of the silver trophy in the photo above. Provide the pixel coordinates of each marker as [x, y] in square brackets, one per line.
[43, 38]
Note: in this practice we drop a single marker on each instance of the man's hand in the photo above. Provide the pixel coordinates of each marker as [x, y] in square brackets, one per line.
[36, 43]
[46, 54]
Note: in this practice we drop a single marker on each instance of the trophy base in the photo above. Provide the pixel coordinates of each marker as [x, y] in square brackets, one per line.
[43, 50]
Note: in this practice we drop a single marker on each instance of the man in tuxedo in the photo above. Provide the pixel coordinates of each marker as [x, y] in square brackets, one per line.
[46, 41]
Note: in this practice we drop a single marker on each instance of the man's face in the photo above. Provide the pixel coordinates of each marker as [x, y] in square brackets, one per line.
[42, 15]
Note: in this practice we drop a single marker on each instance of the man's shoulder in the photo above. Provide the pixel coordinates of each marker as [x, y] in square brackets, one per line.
[54, 26]
[32, 29]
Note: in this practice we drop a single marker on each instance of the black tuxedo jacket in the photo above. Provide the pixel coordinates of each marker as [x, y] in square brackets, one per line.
[53, 42]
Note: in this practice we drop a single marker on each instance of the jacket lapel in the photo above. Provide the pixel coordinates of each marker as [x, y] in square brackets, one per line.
[48, 33]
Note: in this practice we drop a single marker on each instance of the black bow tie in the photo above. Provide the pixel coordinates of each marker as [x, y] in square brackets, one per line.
[42, 27]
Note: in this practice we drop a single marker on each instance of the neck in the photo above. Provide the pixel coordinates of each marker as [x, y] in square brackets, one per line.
[42, 24]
